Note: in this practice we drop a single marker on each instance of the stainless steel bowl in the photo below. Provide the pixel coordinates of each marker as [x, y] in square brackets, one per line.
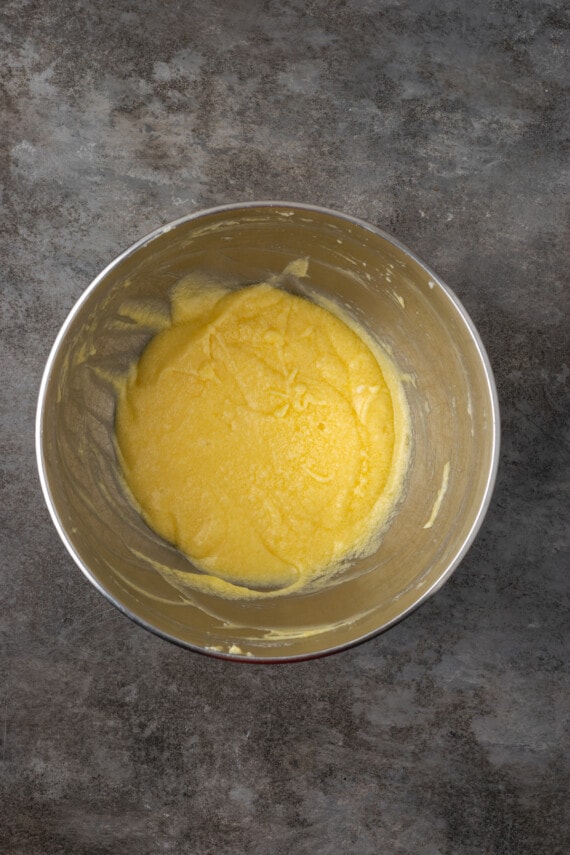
[453, 409]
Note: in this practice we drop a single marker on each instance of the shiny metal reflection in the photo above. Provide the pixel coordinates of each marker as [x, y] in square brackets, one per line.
[451, 393]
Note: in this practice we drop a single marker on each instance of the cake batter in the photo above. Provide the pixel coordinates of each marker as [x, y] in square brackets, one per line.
[264, 436]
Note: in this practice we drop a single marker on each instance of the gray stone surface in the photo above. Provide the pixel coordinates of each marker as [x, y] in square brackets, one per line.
[443, 122]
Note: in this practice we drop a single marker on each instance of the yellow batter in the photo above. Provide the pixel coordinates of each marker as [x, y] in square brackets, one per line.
[260, 435]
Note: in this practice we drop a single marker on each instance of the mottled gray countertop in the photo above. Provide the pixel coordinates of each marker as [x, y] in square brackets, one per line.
[443, 123]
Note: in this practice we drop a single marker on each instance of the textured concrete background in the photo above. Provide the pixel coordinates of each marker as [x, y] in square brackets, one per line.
[443, 122]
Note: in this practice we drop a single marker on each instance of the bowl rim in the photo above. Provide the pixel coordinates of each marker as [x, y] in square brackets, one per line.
[437, 281]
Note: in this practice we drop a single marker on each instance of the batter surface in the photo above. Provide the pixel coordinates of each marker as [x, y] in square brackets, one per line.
[263, 436]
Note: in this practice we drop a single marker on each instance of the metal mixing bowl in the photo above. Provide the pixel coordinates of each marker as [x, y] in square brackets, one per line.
[451, 396]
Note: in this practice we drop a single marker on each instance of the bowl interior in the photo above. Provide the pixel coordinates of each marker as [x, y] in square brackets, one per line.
[450, 393]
